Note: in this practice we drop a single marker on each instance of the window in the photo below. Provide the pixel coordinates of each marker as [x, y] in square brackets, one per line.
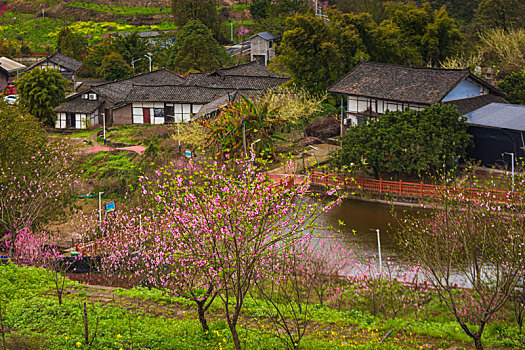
[158, 112]
[85, 96]
[92, 97]
[270, 44]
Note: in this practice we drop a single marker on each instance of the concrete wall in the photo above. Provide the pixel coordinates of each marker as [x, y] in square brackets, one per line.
[261, 47]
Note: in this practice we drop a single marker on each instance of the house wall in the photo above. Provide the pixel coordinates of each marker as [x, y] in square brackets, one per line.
[82, 120]
[4, 79]
[123, 115]
[182, 111]
[362, 104]
[261, 47]
[465, 89]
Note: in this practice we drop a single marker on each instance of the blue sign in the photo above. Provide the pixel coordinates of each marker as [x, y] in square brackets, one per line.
[187, 153]
[110, 206]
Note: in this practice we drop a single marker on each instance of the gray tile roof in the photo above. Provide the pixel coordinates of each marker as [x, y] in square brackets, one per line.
[179, 94]
[214, 105]
[468, 105]
[499, 115]
[252, 69]
[235, 81]
[61, 60]
[265, 35]
[117, 91]
[403, 84]
[77, 105]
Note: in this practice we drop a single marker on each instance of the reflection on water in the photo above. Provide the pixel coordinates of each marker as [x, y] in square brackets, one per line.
[361, 221]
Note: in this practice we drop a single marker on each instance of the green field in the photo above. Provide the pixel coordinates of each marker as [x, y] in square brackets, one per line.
[120, 10]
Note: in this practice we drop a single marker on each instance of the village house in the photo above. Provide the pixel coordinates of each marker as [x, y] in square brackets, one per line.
[262, 47]
[161, 97]
[371, 88]
[108, 100]
[67, 66]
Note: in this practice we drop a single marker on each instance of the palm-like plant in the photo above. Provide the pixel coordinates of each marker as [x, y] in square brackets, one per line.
[253, 117]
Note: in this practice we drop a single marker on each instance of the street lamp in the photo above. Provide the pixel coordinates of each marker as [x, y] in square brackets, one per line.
[253, 143]
[511, 154]
[133, 60]
[379, 249]
[100, 207]
[315, 156]
[148, 56]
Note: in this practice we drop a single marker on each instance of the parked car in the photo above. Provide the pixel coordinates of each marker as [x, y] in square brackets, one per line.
[11, 99]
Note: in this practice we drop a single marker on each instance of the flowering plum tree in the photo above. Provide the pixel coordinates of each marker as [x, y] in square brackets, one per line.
[37, 190]
[478, 240]
[215, 229]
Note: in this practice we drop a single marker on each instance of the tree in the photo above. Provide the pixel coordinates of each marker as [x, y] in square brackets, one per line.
[317, 53]
[259, 8]
[407, 142]
[479, 240]
[435, 35]
[205, 11]
[21, 135]
[37, 191]
[114, 67]
[242, 123]
[514, 87]
[40, 91]
[503, 50]
[195, 48]
[133, 47]
[501, 14]
[95, 54]
[71, 43]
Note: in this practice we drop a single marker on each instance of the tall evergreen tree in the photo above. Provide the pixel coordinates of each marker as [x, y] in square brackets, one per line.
[203, 10]
[196, 49]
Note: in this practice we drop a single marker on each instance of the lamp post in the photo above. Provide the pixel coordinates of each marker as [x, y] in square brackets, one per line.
[100, 207]
[104, 127]
[253, 143]
[379, 249]
[231, 30]
[511, 154]
[148, 56]
[133, 60]
[315, 156]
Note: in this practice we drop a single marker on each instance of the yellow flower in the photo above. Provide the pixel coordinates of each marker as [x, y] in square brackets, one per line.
[115, 343]
[224, 340]
[66, 337]
[119, 336]
[78, 344]
[457, 329]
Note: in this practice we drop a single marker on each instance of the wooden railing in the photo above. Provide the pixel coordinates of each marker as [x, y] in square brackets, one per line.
[410, 189]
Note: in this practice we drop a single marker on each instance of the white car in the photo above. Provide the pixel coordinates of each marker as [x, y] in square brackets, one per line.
[11, 99]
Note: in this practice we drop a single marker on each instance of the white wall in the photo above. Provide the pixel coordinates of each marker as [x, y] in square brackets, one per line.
[182, 112]
[361, 104]
[465, 89]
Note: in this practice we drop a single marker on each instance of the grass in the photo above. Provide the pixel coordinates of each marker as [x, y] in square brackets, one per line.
[150, 319]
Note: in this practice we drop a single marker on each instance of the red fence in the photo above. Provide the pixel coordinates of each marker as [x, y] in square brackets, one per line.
[410, 189]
